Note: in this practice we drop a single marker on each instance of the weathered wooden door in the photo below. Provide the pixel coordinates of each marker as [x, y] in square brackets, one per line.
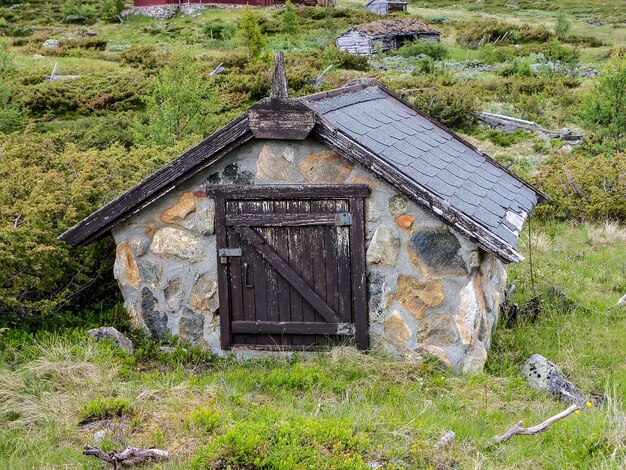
[291, 265]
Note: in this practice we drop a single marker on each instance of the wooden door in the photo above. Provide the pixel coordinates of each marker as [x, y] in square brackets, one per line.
[291, 266]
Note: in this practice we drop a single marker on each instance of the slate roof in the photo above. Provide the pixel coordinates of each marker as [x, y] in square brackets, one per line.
[433, 157]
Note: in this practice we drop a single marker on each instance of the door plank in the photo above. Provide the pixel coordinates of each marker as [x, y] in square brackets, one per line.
[289, 274]
[282, 248]
[282, 220]
[359, 289]
[222, 275]
[249, 310]
[288, 328]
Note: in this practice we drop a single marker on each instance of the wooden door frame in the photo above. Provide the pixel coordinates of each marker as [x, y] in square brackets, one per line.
[355, 193]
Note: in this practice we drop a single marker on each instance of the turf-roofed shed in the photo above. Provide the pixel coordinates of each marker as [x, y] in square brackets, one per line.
[384, 35]
[345, 217]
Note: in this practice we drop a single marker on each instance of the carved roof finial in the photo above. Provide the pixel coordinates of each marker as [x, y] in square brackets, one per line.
[279, 82]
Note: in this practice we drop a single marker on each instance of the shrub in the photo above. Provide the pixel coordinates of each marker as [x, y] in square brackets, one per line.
[145, 56]
[267, 439]
[250, 33]
[452, 106]
[432, 49]
[563, 26]
[21, 31]
[562, 60]
[46, 188]
[204, 420]
[104, 408]
[10, 111]
[604, 107]
[111, 9]
[584, 188]
[76, 11]
[475, 32]
[93, 44]
[347, 61]
[289, 20]
[519, 67]
[219, 30]
[584, 41]
[85, 95]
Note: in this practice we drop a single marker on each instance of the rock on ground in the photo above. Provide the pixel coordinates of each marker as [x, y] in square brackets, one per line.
[544, 375]
[120, 340]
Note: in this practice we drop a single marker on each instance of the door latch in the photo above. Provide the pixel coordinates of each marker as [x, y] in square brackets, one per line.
[225, 253]
[343, 218]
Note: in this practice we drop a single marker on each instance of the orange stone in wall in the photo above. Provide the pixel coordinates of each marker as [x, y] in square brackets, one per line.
[404, 220]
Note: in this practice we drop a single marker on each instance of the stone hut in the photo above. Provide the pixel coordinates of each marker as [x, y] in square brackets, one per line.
[384, 7]
[344, 217]
[386, 35]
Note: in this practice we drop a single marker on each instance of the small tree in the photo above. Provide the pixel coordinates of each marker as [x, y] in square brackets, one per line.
[563, 25]
[10, 112]
[111, 9]
[290, 22]
[251, 33]
[604, 107]
[562, 60]
[76, 11]
[181, 103]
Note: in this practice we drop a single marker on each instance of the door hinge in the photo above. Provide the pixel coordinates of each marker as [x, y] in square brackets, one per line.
[225, 253]
[343, 219]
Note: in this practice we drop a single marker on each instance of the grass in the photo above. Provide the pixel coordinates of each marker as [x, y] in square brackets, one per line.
[346, 409]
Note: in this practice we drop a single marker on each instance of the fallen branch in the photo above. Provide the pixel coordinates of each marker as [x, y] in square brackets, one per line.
[219, 69]
[317, 82]
[446, 440]
[129, 457]
[518, 429]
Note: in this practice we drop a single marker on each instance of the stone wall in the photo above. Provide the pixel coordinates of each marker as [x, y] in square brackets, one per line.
[431, 291]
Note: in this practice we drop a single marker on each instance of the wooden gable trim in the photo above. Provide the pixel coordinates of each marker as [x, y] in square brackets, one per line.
[211, 149]
[280, 117]
[475, 232]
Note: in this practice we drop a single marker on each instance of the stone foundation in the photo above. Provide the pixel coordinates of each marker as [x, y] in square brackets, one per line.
[430, 291]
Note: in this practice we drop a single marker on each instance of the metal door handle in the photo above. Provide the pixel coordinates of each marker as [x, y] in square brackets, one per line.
[245, 276]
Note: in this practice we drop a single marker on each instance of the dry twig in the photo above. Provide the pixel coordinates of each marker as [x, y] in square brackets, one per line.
[518, 429]
[129, 457]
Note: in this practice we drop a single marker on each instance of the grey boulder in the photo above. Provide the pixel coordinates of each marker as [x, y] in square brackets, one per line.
[120, 340]
[544, 375]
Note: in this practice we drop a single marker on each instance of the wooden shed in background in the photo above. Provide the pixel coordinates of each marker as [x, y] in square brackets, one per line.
[384, 7]
[386, 35]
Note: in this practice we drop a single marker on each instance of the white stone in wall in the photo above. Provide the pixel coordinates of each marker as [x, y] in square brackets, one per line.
[462, 327]
[438, 353]
[174, 295]
[384, 247]
[475, 358]
[202, 221]
[170, 242]
[372, 212]
[275, 168]
[202, 297]
[469, 308]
